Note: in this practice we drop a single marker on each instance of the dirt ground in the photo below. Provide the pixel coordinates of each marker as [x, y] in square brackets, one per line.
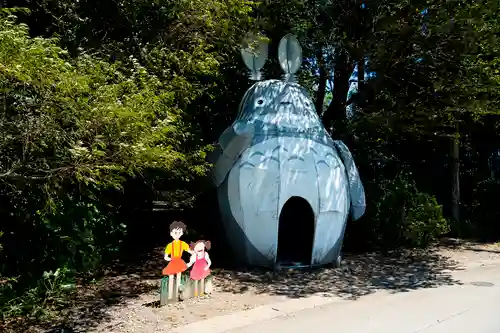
[127, 302]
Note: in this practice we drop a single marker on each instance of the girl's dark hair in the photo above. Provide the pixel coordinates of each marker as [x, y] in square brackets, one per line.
[208, 245]
[178, 225]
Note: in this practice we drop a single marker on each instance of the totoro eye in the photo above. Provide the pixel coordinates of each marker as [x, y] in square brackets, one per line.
[260, 101]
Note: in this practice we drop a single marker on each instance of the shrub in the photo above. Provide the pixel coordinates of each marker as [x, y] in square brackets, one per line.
[50, 293]
[398, 215]
[74, 131]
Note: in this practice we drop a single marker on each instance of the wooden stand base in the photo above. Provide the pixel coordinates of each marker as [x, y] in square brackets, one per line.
[192, 288]
[164, 295]
[188, 289]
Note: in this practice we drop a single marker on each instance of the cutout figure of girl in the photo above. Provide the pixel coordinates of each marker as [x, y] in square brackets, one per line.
[173, 254]
[201, 265]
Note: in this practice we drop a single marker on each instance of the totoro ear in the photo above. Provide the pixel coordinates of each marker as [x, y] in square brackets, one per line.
[254, 53]
[290, 56]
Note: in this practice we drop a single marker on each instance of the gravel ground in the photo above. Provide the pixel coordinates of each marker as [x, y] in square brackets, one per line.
[124, 302]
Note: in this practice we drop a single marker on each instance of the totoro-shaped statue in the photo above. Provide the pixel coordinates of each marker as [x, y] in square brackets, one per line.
[278, 156]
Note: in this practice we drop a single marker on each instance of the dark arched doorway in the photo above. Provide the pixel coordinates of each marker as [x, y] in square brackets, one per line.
[295, 232]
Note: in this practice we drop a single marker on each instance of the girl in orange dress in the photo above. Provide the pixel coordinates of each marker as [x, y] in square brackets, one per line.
[173, 254]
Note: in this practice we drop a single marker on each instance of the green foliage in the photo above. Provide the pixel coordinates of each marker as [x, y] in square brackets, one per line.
[74, 130]
[430, 73]
[190, 46]
[49, 294]
[403, 216]
[96, 122]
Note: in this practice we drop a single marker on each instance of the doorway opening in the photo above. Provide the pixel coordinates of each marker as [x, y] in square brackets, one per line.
[295, 233]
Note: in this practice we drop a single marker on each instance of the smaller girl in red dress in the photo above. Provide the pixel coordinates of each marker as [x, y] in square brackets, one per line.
[200, 259]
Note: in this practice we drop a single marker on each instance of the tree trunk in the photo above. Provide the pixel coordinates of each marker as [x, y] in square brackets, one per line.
[323, 76]
[335, 114]
[361, 79]
[455, 166]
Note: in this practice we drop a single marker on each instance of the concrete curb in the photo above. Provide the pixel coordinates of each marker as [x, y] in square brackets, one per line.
[259, 314]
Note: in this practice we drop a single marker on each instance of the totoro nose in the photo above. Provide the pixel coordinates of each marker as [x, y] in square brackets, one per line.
[288, 106]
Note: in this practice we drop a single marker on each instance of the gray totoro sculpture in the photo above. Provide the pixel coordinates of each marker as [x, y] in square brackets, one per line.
[278, 151]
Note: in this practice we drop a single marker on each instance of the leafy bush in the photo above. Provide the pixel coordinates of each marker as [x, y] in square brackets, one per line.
[398, 215]
[74, 131]
[416, 217]
[50, 293]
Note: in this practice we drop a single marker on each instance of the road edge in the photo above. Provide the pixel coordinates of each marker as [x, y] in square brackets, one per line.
[265, 312]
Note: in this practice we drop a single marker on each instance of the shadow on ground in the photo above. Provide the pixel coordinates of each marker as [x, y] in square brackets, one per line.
[121, 282]
[360, 275]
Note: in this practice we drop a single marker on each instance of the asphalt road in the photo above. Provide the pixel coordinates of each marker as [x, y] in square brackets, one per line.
[472, 307]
